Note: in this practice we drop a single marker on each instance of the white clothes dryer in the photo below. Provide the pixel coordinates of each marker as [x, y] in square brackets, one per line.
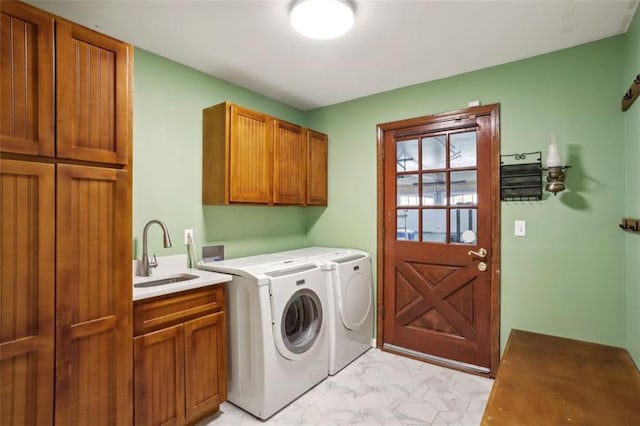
[350, 290]
[277, 332]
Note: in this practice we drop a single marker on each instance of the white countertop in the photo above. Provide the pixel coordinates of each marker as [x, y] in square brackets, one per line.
[171, 265]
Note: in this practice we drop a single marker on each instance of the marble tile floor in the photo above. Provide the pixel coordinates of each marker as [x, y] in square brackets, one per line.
[379, 388]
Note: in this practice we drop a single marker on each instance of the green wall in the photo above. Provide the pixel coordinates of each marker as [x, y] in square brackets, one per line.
[167, 165]
[632, 192]
[567, 276]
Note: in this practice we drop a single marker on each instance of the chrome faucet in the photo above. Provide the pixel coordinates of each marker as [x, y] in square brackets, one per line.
[147, 265]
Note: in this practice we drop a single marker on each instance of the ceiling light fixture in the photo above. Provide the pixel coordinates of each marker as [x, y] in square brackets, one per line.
[322, 19]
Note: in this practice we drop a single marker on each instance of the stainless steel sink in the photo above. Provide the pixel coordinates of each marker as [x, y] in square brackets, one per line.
[167, 279]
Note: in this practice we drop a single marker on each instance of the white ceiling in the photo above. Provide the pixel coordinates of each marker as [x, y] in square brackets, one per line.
[394, 43]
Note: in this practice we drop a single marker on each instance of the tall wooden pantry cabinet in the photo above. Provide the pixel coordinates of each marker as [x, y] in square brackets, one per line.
[65, 217]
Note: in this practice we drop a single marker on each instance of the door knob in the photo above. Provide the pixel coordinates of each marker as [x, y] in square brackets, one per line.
[482, 253]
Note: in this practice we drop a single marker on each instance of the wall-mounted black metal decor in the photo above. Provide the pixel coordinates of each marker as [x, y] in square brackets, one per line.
[521, 179]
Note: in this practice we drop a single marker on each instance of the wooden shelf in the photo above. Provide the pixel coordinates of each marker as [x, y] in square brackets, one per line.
[630, 225]
[631, 94]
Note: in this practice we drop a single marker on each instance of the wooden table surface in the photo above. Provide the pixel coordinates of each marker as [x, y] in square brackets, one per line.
[547, 380]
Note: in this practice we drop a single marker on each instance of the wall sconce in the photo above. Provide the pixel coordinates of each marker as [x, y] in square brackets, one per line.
[555, 169]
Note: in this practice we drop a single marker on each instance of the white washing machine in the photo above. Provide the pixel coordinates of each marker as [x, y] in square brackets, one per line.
[277, 331]
[350, 289]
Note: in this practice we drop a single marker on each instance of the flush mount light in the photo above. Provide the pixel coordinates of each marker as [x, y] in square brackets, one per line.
[322, 19]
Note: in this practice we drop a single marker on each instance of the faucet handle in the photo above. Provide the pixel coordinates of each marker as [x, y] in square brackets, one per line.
[153, 264]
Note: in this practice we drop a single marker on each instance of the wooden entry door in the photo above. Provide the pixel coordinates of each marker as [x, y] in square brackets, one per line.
[439, 238]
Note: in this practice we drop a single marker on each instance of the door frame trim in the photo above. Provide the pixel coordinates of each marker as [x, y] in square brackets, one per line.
[494, 111]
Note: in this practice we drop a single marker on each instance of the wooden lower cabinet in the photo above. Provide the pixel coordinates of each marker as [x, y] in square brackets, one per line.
[551, 380]
[27, 292]
[65, 282]
[205, 365]
[159, 377]
[93, 293]
[180, 371]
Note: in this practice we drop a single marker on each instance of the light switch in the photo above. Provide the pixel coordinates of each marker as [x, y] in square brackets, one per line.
[520, 229]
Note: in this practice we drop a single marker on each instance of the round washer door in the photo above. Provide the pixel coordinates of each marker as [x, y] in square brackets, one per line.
[355, 293]
[300, 325]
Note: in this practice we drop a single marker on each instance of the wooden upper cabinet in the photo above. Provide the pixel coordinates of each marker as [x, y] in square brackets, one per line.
[93, 80]
[94, 354]
[237, 155]
[252, 158]
[81, 102]
[317, 154]
[27, 290]
[215, 149]
[26, 80]
[289, 164]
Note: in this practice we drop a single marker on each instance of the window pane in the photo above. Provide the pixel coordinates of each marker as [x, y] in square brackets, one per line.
[407, 156]
[434, 189]
[407, 228]
[462, 150]
[464, 225]
[434, 225]
[407, 190]
[433, 152]
[464, 188]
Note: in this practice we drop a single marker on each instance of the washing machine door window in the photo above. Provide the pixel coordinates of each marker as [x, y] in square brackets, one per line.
[301, 321]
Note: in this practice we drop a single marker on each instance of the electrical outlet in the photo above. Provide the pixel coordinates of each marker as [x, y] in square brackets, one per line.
[188, 233]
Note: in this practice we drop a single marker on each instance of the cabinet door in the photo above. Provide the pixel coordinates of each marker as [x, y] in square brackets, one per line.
[159, 377]
[26, 292]
[205, 365]
[94, 355]
[26, 80]
[215, 154]
[250, 156]
[289, 164]
[317, 144]
[93, 77]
